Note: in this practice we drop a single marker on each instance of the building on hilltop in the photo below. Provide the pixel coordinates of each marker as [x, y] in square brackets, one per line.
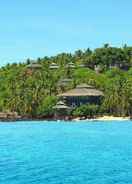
[53, 66]
[71, 65]
[34, 66]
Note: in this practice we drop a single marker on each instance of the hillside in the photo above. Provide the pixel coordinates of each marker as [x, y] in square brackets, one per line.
[30, 88]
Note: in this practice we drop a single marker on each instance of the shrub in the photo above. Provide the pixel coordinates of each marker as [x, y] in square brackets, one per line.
[89, 110]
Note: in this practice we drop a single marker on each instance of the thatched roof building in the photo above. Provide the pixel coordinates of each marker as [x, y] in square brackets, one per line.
[60, 105]
[53, 66]
[82, 94]
[82, 90]
[34, 66]
[70, 65]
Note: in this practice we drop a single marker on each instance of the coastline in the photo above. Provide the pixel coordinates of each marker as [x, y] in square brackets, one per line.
[101, 118]
[105, 118]
[113, 118]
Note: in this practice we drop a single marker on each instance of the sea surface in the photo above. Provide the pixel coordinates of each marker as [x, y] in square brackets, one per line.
[66, 152]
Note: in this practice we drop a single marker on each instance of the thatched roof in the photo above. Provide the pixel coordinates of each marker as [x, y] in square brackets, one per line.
[34, 66]
[60, 105]
[53, 66]
[82, 90]
[70, 65]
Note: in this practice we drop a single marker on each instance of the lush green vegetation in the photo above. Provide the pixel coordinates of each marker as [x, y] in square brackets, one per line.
[89, 110]
[33, 92]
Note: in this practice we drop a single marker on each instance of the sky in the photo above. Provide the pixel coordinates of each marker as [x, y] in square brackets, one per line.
[38, 28]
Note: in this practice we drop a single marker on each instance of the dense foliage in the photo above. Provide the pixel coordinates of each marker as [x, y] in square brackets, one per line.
[33, 92]
[89, 110]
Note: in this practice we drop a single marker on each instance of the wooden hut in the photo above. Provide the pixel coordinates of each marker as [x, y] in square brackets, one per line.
[34, 66]
[82, 94]
[70, 65]
[53, 66]
[61, 106]
[61, 110]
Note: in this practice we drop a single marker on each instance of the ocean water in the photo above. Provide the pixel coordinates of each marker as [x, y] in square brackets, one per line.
[66, 153]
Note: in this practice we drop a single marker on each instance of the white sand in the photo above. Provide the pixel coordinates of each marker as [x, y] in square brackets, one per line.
[105, 118]
[112, 118]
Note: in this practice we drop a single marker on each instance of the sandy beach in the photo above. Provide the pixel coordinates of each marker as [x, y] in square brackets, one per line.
[112, 118]
[105, 118]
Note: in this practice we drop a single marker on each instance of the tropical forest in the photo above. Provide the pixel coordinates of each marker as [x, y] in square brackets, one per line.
[31, 88]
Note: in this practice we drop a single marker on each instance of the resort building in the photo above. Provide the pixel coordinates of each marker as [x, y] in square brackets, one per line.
[61, 110]
[61, 105]
[53, 66]
[34, 66]
[82, 94]
[70, 65]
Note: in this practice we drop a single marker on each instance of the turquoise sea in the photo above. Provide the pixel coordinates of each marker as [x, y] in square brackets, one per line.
[66, 153]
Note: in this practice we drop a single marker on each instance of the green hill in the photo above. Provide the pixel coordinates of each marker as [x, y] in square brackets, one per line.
[31, 88]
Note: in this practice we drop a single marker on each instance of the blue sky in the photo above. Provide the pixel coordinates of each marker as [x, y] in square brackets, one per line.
[36, 28]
